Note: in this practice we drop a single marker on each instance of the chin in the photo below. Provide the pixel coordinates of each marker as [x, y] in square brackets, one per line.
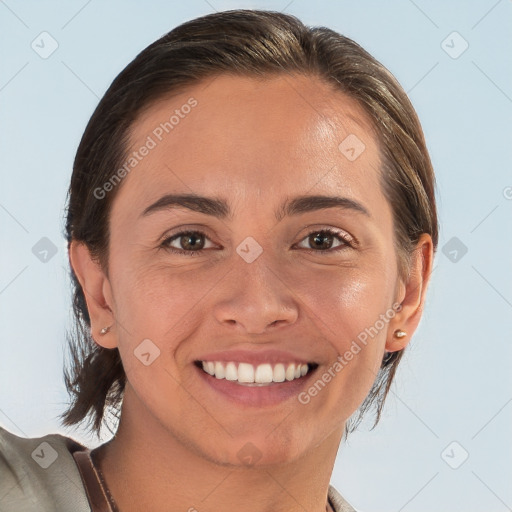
[261, 451]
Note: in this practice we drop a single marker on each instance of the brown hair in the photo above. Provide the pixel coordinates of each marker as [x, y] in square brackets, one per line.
[248, 43]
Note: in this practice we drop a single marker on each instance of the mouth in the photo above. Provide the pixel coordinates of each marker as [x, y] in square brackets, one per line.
[261, 375]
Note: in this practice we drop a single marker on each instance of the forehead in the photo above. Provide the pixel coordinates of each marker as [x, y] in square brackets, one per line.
[251, 137]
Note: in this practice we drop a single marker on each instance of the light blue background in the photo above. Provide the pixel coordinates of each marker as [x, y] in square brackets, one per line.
[454, 383]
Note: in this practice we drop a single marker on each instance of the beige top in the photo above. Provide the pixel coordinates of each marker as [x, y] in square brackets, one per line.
[55, 473]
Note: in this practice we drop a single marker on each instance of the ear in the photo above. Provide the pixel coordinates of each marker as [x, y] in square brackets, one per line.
[97, 291]
[412, 295]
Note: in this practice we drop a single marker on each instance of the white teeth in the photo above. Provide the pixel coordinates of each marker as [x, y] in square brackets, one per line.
[220, 373]
[248, 374]
[278, 373]
[209, 367]
[263, 374]
[290, 372]
[245, 372]
[231, 372]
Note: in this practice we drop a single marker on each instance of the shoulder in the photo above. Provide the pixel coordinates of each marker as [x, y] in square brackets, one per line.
[339, 503]
[40, 474]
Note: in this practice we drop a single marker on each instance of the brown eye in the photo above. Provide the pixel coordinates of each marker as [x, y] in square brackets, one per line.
[191, 241]
[186, 242]
[322, 240]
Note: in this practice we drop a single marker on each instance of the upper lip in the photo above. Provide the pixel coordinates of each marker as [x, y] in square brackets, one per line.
[254, 357]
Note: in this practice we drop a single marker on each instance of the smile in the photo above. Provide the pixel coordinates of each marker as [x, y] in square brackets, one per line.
[255, 375]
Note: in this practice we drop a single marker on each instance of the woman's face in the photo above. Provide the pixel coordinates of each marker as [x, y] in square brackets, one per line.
[267, 284]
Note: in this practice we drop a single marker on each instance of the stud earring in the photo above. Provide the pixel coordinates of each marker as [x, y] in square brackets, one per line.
[388, 356]
[105, 330]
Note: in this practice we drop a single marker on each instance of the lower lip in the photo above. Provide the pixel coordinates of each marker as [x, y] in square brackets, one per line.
[259, 396]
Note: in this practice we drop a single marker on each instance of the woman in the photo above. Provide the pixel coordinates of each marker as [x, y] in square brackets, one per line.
[251, 228]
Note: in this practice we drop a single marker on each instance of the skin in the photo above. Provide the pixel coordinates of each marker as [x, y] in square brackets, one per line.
[253, 143]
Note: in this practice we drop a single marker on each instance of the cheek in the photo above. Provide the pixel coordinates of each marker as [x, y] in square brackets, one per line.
[158, 302]
[347, 307]
[343, 300]
[162, 305]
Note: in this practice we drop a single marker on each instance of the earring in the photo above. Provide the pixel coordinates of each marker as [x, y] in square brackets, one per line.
[105, 330]
[388, 356]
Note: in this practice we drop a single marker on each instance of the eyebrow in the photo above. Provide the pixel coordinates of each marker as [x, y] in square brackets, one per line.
[218, 207]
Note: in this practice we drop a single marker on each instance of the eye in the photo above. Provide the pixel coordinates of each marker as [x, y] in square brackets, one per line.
[321, 240]
[190, 243]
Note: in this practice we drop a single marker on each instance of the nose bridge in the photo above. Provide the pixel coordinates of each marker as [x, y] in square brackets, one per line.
[255, 295]
[256, 273]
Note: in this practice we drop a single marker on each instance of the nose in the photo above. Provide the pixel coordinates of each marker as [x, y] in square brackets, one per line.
[254, 298]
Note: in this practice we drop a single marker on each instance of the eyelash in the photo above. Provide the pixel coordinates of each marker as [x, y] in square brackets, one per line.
[342, 238]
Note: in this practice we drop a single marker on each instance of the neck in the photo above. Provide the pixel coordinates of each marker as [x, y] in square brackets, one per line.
[150, 469]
